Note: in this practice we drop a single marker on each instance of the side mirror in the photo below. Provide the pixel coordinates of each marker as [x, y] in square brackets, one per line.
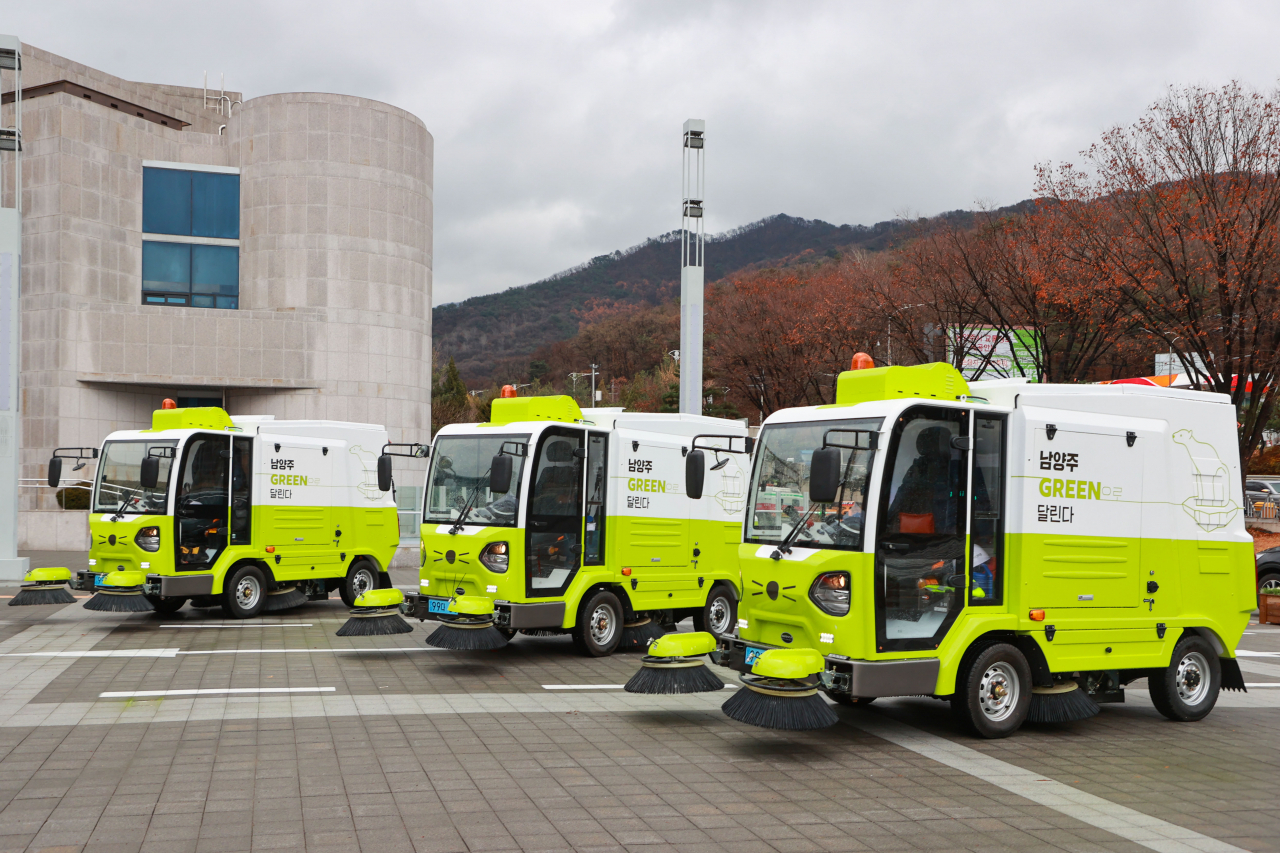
[55, 472]
[695, 474]
[824, 475]
[500, 474]
[751, 445]
[384, 473]
[149, 474]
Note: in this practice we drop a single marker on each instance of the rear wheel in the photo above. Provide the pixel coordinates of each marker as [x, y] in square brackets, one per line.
[993, 691]
[361, 577]
[1187, 689]
[599, 627]
[166, 604]
[719, 616]
[244, 592]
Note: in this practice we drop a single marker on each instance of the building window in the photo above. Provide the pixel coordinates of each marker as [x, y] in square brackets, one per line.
[203, 206]
[190, 274]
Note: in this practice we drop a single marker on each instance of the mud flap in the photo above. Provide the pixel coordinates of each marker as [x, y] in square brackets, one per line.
[1232, 679]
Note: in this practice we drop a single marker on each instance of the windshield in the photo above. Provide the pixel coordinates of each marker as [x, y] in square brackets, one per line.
[119, 471]
[460, 466]
[780, 484]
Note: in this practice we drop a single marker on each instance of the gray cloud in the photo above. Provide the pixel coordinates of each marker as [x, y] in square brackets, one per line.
[557, 125]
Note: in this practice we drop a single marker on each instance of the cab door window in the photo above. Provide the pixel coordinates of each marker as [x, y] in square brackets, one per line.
[553, 549]
[920, 548]
[241, 503]
[597, 483]
[986, 575]
[202, 501]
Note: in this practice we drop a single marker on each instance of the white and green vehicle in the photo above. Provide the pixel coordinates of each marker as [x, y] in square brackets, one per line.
[590, 530]
[998, 543]
[229, 511]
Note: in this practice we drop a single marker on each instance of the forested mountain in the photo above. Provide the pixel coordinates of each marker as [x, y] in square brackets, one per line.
[491, 337]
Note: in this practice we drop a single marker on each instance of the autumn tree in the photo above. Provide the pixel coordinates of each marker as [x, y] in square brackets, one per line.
[1190, 237]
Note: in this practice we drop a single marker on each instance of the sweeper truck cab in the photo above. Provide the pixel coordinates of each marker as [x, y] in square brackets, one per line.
[1021, 550]
[549, 519]
[242, 512]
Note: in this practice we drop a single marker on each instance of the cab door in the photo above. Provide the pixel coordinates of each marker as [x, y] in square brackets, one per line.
[553, 538]
[202, 502]
[920, 556]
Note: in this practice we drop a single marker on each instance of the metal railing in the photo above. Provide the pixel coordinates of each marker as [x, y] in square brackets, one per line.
[1261, 510]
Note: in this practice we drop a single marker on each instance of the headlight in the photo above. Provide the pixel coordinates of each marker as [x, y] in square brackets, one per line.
[494, 557]
[831, 593]
[148, 539]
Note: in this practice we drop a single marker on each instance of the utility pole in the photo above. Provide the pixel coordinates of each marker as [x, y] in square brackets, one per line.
[12, 567]
[691, 267]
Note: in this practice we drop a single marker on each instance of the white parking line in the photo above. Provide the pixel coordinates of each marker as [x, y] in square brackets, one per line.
[583, 686]
[211, 691]
[113, 653]
[1262, 684]
[306, 651]
[240, 625]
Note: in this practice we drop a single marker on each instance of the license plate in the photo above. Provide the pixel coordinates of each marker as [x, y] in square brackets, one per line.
[751, 655]
[98, 579]
[438, 605]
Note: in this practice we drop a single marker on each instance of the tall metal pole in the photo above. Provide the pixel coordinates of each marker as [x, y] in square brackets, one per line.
[12, 567]
[691, 268]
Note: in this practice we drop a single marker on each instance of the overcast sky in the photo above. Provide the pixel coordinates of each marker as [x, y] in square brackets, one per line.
[557, 125]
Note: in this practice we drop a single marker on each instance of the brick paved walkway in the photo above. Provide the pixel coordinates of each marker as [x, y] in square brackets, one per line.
[416, 750]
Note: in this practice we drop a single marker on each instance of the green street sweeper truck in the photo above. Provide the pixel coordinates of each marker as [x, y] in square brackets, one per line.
[246, 513]
[1021, 550]
[551, 519]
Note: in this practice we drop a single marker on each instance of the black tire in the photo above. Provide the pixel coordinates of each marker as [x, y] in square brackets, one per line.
[206, 601]
[849, 701]
[599, 627]
[1187, 689]
[719, 614]
[1268, 581]
[993, 691]
[361, 577]
[166, 604]
[244, 592]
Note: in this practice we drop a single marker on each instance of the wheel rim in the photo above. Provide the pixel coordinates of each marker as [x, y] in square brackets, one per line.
[720, 612]
[1270, 585]
[248, 591]
[1193, 678]
[603, 625]
[998, 692]
[362, 582]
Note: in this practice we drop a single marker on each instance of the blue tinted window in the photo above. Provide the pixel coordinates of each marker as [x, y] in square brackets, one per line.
[166, 201]
[166, 267]
[215, 270]
[215, 205]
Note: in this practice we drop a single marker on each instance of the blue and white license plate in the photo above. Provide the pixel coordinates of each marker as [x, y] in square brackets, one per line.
[751, 654]
[438, 605]
[98, 579]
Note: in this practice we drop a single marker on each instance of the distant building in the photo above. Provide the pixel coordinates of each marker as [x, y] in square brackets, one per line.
[271, 256]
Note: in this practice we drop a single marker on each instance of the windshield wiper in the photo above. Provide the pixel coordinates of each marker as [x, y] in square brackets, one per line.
[120, 512]
[466, 509]
[784, 547]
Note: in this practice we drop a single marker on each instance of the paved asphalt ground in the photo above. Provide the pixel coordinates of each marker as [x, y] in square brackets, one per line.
[300, 740]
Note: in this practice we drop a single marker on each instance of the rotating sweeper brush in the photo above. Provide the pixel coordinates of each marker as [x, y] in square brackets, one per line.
[468, 626]
[284, 598]
[44, 586]
[121, 592]
[1064, 702]
[377, 613]
[674, 665]
[782, 693]
[636, 636]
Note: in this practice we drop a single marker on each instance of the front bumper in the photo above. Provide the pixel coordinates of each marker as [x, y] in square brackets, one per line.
[857, 678]
[167, 586]
[548, 614]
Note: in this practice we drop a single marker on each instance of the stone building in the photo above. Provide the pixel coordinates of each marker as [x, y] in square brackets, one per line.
[272, 256]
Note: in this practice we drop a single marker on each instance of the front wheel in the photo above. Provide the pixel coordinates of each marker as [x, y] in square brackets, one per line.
[993, 691]
[599, 628]
[244, 592]
[1187, 689]
[719, 616]
[361, 577]
[166, 604]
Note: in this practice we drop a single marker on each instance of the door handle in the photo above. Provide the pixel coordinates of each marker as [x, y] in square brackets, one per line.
[539, 523]
[897, 546]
